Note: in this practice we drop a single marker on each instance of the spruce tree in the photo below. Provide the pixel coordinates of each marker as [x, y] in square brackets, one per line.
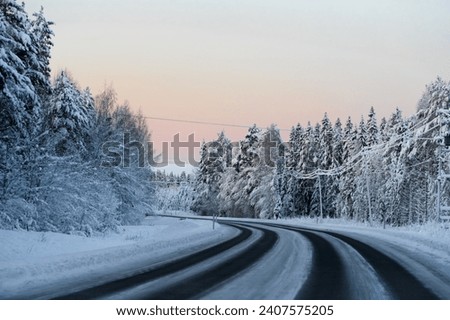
[372, 128]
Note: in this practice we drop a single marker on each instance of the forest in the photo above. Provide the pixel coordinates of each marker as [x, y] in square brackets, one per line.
[52, 172]
[376, 173]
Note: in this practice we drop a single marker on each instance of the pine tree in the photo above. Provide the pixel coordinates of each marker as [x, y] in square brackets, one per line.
[20, 111]
[396, 124]
[338, 145]
[326, 144]
[291, 185]
[248, 153]
[213, 164]
[362, 139]
[372, 128]
[295, 140]
[70, 117]
[42, 36]
[349, 140]
[383, 130]
[325, 161]
[302, 189]
[20, 104]
[284, 205]
[421, 153]
[338, 161]
[260, 186]
[344, 201]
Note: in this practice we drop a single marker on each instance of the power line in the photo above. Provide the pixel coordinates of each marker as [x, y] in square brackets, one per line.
[203, 122]
[356, 159]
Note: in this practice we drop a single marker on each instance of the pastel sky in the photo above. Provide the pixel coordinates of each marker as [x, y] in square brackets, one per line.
[252, 61]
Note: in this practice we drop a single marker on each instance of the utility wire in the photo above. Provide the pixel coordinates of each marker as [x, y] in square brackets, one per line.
[356, 159]
[203, 122]
[344, 167]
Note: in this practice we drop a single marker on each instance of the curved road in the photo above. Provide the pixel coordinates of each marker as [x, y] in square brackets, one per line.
[272, 261]
[329, 270]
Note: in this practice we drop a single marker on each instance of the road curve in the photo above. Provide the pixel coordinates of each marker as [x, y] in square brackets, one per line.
[152, 273]
[307, 263]
[402, 284]
[197, 285]
[328, 281]
[327, 278]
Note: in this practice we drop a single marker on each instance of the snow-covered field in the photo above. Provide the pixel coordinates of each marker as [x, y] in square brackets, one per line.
[36, 264]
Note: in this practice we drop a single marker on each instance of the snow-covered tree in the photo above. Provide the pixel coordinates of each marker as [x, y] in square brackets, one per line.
[344, 200]
[43, 35]
[248, 154]
[70, 117]
[383, 130]
[325, 159]
[20, 104]
[295, 141]
[260, 185]
[372, 128]
[303, 189]
[20, 111]
[338, 161]
[44, 183]
[361, 139]
[215, 158]
[284, 204]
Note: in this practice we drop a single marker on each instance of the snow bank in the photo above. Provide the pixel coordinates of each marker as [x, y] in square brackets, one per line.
[431, 236]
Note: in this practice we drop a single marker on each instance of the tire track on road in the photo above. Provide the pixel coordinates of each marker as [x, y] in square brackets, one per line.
[193, 287]
[400, 283]
[161, 270]
[327, 278]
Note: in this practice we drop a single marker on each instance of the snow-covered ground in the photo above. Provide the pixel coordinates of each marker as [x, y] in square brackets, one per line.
[38, 265]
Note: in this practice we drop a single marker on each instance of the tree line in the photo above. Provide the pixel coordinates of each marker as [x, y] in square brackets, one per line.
[367, 171]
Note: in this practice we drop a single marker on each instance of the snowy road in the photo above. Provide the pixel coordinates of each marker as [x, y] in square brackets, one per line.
[346, 268]
[273, 261]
